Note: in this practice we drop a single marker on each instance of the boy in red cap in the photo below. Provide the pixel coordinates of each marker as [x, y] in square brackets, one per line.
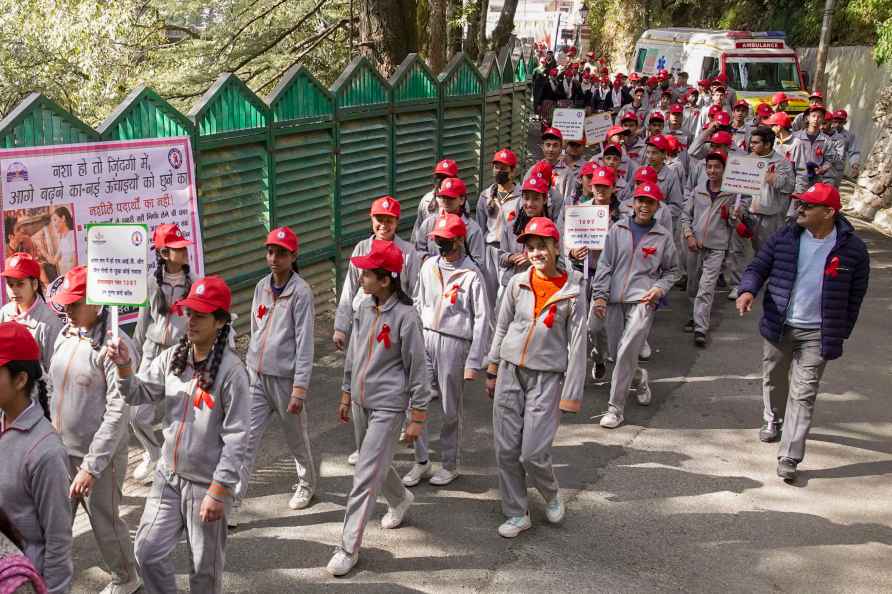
[452, 198]
[642, 175]
[781, 125]
[654, 123]
[204, 389]
[280, 364]
[427, 206]
[668, 179]
[812, 152]
[385, 373]
[34, 464]
[636, 269]
[848, 143]
[779, 101]
[675, 126]
[455, 313]
[634, 142]
[800, 122]
[489, 214]
[768, 209]
[740, 125]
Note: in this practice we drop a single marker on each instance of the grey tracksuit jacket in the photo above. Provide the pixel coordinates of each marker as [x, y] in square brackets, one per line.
[554, 341]
[451, 300]
[775, 198]
[202, 444]
[702, 217]
[34, 494]
[663, 215]
[41, 321]
[427, 247]
[803, 151]
[490, 223]
[424, 211]
[87, 408]
[626, 272]
[384, 368]
[164, 330]
[508, 243]
[352, 294]
[282, 331]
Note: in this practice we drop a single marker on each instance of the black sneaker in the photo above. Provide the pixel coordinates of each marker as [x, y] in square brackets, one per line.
[770, 432]
[721, 283]
[682, 283]
[689, 327]
[600, 371]
[786, 469]
[700, 339]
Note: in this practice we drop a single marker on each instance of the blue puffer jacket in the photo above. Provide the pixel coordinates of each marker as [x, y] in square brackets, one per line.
[845, 282]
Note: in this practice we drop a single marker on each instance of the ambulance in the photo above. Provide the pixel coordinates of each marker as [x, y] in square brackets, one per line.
[757, 65]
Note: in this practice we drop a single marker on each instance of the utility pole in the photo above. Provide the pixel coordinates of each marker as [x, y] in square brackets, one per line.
[820, 82]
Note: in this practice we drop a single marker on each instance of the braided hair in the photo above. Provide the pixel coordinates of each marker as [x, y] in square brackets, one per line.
[520, 222]
[160, 267]
[206, 370]
[35, 381]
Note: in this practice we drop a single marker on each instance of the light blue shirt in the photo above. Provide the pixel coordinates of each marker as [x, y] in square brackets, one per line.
[805, 301]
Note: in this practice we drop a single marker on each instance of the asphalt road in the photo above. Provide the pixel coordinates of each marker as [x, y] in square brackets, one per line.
[683, 497]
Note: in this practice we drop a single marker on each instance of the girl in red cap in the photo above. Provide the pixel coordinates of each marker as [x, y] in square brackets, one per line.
[203, 386]
[384, 374]
[91, 416]
[452, 198]
[536, 369]
[489, 214]
[455, 312]
[157, 329]
[34, 464]
[27, 303]
[280, 363]
[427, 206]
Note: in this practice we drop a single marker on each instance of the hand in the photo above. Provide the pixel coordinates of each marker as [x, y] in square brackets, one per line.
[737, 214]
[470, 374]
[600, 308]
[823, 169]
[211, 510]
[652, 296]
[771, 177]
[518, 259]
[491, 387]
[340, 340]
[344, 408]
[118, 352]
[82, 484]
[413, 431]
[744, 303]
[692, 243]
[296, 404]
[856, 169]
[579, 253]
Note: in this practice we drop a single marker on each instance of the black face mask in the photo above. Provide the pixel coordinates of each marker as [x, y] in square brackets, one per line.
[444, 246]
[502, 177]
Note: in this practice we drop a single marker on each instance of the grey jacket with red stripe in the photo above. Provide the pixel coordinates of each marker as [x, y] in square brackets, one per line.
[710, 220]
[164, 330]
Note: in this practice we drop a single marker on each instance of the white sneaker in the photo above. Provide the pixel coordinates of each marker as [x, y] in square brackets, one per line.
[394, 516]
[145, 472]
[733, 294]
[301, 498]
[127, 588]
[444, 476]
[353, 458]
[646, 352]
[417, 472]
[611, 420]
[555, 510]
[341, 562]
[642, 392]
[514, 526]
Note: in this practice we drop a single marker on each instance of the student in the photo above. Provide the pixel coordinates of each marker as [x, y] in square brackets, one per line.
[384, 374]
[536, 369]
[452, 302]
[489, 215]
[427, 206]
[634, 143]
[654, 123]
[781, 124]
[636, 269]
[91, 416]
[452, 198]
[158, 329]
[34, 464]
[280, 364]
[27, 304]
[643, 175]
[203, 386]
[768, 209]
[676, 125]
[532, 203]
[812, 152]
[849, 143]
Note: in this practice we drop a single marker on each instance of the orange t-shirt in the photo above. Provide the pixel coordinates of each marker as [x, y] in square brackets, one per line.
[544, 288]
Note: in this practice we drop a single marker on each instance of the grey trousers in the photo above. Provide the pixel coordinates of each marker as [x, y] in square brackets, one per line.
[735, 259]
[704, 268]
[145, 418]
[766, 226]
[791, 375]
[172, 507]
[102, 505]
[491, 276]
[270, 396]
[525, 417]
[374, 472]
[445, 357]
[636, 320]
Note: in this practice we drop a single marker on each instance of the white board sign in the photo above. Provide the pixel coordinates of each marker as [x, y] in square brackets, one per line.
[744, 174]
[117, 264]
[596, 127]
[586, 225]
[570, 122]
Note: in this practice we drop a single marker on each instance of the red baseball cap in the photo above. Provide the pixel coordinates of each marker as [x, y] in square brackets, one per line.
[816, 107]
[21, 265]
[676, 108]
[73, 288]
[169, 235]
[658, 141]
[763, 110]
[657, 115]
[535, 183]
[662, 75]
[506, 157]
[821, 194]
[447, 167]
[721, 137]
[452, 187]
[384, 254]
[553, 72]
[634, 77]
[553, 132]
[719, 154]
[449, 226]
[648, 190]
[544, 170]
[17, 344]
[386, 205]
[723, 118]
[742, 103]
[779, 98]
[588, 168]
[841, 115]
[207, 295]
[614, 130]
[540, 227]
[603, 176]
[646, 174]
[781, 119]
[673, 143]
[613, 146]
[816, 95]
[284, 237]
[704, 83]
[713, 110]
[628, 116]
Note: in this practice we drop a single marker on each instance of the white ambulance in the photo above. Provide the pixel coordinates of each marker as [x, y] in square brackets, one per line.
[757, 65]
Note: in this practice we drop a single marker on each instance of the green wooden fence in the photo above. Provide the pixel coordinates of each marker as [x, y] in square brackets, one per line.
[311, 157]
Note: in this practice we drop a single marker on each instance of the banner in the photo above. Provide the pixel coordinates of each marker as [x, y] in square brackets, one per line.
[586, 225]
[50, 194]
[570, 122]
[117, 264]
[744, 175]
[596, 127]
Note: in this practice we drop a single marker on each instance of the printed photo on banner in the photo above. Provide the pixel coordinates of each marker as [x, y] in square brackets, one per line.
[50, 194]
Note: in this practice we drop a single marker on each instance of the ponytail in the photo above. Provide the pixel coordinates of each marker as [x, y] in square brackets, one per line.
[396, 283]
[102, 324]
[160, 267]
[493, 203]
[35, 381]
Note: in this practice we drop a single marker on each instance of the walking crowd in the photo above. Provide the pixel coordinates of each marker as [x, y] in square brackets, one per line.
[483, 288]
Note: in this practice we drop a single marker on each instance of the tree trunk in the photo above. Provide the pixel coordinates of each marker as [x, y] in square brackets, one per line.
[475, 41]
[437, 53]
[387, 32]
[505, 26]
[481, 38]
[454, 24]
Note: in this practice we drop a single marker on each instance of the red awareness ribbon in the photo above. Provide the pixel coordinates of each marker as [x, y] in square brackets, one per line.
[819, 152]
[384, 336]
[511, 215]
[832, 269]
[452, 294]
[261, 311]
[649, 251]
[549, 318]
[202, 396]
[726, 214]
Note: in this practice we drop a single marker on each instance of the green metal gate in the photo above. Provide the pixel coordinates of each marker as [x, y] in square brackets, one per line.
[461, 126]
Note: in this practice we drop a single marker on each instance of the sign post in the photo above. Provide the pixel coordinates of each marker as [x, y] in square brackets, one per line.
[586, 226]
[596, 127]
[117, 267]
[744, 174]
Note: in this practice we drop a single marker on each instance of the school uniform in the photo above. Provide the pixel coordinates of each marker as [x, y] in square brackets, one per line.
[89, 413]
[490, 220]
[279, 359]
[805, 151]
[426, 247]
[427, 207]
[541, 360]
[202, 452]
[41, 321]
[34, 487]
[555, 199]
[768, 209]
[850, 151]
[636, 150]
[455, 314]
[385, 372]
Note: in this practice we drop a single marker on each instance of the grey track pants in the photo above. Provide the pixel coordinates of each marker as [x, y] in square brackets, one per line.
[704, 268]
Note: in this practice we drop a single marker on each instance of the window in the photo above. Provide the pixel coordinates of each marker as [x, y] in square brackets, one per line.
[710, 68]
[762, 75]
[639, 63]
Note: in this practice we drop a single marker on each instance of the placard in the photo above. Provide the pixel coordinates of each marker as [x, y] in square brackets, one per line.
[570, 122]
[596, 127]
[117, 264]
[586, 225]
[744, 175]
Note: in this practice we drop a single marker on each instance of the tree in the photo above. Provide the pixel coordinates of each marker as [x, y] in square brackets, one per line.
[505, 27]
[387, 32]
[475, 42]
[437, 47]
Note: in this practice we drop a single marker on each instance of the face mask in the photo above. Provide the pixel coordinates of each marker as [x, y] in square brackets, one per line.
[444, 246]
[502, 177]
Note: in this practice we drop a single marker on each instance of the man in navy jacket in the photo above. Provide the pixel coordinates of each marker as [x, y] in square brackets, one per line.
[816, 271]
